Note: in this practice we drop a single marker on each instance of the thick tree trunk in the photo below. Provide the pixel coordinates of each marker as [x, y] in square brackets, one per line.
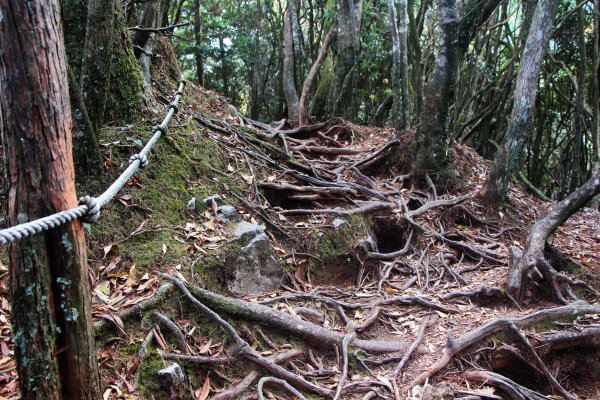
[508, 160]
[198, 38]
[289, 82]
[111, 82]
[311, 79]
[49, 285]
[519, 279]
[433, 141]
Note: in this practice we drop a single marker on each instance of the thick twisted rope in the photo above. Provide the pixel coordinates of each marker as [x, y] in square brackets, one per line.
[89, 207]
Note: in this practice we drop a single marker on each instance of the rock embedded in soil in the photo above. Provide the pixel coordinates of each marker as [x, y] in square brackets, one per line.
[228, 214]
[255, 270]
[171, 378]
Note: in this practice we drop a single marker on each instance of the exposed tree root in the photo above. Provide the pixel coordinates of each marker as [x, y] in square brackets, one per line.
[513, 390]
[523, 265]
[456, 346]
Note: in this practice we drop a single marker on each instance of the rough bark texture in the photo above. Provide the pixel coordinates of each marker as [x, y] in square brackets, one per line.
[508, 160]
[433, 140]
[74, 19]
[520, 265]
[111, 83]
[399, 66]
[198, 38]
[51, 310]
[86, 149]
[142, 39]
[311, 79]
[473, 15]
[576, 167]
[289, 84]
[341, 100]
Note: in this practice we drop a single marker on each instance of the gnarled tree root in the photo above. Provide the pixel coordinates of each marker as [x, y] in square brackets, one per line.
[456, 346]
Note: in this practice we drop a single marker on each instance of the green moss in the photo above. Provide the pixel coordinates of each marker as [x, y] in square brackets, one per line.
[333, 244]
[180, 168]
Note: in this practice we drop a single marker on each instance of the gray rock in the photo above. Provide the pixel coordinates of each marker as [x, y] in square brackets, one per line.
[208, 201]
[192, 204]
[227, 214]
[171, 378]
[339, 223]
[247, 231]
[256, 269]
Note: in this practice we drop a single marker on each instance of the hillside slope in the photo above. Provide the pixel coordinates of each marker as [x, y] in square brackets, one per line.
[366, 253]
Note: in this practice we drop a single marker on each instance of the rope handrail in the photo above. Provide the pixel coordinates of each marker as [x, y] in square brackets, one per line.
[89, 207]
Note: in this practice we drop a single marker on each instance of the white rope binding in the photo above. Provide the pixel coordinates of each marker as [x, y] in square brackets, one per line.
[89, 207]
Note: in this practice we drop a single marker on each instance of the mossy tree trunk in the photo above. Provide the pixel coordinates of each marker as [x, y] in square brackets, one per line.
[111, 82]
[434, 150]
[49, 284]
[399, 65]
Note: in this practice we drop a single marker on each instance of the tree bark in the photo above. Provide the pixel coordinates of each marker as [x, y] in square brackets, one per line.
[595, 100]
[579, 134]
[198, 37]
[49, 285]
[508, 160]
[399, 66]
[341, 100]
[289, 82]
[311, 79]
[433, 141]
[111, 82]
[143, 39]
[74, 19]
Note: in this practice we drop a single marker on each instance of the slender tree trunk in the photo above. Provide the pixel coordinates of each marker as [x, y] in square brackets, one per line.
[143, 39]
[399, 68]
[289, 82]
[405, 95]
[49, 284]
[198, 37]
[311, 79]
[508, 159]
[576, 167]
[433, 141]
[415, 59]
[595, 99]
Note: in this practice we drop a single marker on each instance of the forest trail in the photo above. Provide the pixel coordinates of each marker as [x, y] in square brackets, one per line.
[365, 251]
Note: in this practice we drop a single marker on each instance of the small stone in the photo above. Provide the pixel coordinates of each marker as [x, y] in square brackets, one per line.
[339, 223]
[228, 214]
[192, 204]
[215, 197]
[171, 378]
[247, 231]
